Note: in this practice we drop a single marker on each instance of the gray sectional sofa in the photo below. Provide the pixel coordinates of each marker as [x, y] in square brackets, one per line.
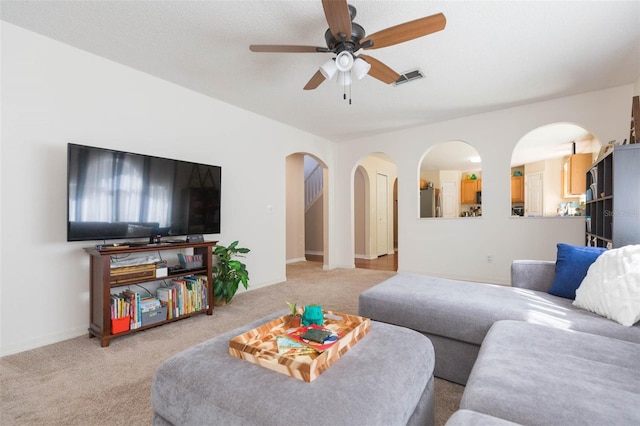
[526, 356]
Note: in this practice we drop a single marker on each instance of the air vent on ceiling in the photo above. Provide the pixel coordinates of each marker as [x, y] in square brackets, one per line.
[409, 76]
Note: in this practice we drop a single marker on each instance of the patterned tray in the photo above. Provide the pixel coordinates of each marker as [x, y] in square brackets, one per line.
[259, 346]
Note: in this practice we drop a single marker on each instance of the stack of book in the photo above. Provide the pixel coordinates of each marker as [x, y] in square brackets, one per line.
[133, 299]
[127, 304]
[185, 295]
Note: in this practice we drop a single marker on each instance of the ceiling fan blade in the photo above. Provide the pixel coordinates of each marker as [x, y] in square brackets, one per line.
[283, 48]
[405, 32]
[379, 70]
[338, 18]
[315, 81]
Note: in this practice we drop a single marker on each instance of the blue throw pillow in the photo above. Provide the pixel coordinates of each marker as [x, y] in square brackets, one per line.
[572, 264]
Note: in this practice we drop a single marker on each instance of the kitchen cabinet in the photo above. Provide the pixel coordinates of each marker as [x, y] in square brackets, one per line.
[469, 189]
[517, 189]
[574, 175]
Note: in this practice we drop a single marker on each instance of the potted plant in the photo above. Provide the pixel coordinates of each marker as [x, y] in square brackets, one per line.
[294, 316]
[229, 272]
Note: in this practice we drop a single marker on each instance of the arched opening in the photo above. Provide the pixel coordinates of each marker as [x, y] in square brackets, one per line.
[548, 170]
[375, 212]
[306, 209]
[450, 181]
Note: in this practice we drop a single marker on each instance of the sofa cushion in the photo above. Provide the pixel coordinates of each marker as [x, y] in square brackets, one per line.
[572, 264]
[532, 374]
[473, 418]
[612, 286]
[465, 310]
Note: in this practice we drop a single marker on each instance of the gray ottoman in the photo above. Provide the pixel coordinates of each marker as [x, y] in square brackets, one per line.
[385, 379]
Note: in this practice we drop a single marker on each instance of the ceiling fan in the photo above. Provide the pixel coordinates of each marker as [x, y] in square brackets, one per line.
[344, 38]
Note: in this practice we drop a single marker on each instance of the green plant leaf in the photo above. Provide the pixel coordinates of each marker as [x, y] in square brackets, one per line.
[229, 272]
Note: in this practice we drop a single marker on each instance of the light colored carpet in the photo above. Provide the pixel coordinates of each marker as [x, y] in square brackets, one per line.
[77, 382]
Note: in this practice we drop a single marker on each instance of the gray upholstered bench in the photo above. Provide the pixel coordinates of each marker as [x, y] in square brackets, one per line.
[385, 379]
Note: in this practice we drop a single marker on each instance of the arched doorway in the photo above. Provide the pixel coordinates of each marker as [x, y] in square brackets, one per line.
[306, 208]
[375, 213]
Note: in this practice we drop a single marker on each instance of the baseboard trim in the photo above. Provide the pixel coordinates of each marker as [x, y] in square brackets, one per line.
[364, 257]
[44, 340]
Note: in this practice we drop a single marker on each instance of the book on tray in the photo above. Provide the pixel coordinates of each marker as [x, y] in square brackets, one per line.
[315, 336]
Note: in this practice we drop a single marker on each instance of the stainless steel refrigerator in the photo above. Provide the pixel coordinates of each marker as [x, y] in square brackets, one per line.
[428, 202]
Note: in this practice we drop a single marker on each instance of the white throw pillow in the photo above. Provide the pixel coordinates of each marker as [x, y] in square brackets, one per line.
[611, 287]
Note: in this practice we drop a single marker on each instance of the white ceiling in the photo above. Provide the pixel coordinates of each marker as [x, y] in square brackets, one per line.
[491, 55]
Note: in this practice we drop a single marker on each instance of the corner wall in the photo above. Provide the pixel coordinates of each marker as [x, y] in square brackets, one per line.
[53, 94]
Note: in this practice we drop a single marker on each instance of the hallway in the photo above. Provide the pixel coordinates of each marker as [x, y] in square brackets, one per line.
[387, 262]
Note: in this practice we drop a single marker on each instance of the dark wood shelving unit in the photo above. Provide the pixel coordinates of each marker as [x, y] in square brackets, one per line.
[613, 209]
[102, 283]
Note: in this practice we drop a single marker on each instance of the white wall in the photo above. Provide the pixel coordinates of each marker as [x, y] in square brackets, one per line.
[295, 172]
[53, 94]
[459, 247]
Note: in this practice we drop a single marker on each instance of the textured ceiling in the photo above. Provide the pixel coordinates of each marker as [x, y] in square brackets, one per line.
[492, 54]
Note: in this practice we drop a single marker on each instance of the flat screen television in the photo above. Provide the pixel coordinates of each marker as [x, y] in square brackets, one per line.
[121, 195]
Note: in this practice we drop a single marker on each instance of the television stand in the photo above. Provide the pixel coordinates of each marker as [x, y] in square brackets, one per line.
[102, 282]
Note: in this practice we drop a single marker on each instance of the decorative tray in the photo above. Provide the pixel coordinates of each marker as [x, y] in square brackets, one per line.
[260, 346]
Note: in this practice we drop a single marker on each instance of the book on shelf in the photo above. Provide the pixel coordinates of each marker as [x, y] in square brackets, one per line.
[190, 294]
[134, 308]
[205, 286]
[120, 306]
[149, 303]
[166, 297]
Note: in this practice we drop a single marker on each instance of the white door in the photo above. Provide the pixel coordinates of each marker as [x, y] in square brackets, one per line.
[450, 199]
[533, 201]
[382, 213]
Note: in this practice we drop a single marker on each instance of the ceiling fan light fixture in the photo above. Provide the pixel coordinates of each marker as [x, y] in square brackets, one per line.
[328, 69]
[361, 68]
[344, 61]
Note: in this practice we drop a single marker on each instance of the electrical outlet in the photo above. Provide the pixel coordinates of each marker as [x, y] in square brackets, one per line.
[489, 258]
